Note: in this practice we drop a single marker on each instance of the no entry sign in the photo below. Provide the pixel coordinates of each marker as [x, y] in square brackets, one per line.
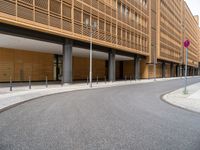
[186, 43]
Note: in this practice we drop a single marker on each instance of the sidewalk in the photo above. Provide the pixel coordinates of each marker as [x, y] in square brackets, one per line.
[190, 101]
[22, 93]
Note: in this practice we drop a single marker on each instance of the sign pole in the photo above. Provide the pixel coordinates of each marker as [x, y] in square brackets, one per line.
[185, 89]
[186, 45]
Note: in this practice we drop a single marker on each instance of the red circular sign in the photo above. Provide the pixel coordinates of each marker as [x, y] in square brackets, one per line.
[186, 43]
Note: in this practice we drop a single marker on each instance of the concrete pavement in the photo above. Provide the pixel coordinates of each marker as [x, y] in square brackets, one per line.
[190, 101]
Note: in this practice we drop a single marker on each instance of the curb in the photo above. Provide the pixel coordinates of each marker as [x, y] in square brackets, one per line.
[26, 99]
[164, 99]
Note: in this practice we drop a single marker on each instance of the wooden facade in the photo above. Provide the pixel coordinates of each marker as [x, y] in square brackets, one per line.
[191, 31]
[142, 27]
[20, 65]
[121, 24]
[169, 30]
[80, 72]
[199, 44]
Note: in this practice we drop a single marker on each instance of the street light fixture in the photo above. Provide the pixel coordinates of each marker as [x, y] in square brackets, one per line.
[92, 27]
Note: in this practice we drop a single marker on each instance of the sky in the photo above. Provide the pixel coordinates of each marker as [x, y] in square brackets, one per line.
[194, 6]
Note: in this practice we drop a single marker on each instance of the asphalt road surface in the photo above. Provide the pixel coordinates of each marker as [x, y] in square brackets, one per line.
[119, 118]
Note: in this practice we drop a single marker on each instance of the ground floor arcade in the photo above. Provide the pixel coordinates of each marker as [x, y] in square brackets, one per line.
[25, 57]
[21, 65]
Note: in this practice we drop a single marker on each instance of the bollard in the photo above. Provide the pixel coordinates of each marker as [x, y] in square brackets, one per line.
[125, 78]
[97, 79]
[130, 78]
[10, 83]
[29, 82]
[62, 81]
[87, 80]
[105, 79]
[46, 82]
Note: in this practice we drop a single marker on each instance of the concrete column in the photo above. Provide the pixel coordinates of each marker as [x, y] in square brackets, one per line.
[163, 69]
[183, 70]
[67, 61]
[57, 69]
[177, 70]
[193, 71]
[180, 71]
[188, 71]
[199, 70]
[196, 71]
[172, 69]
[121, 70]
[137, 67]
[111, 66]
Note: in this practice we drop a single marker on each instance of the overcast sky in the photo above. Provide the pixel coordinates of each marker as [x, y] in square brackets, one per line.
[194, 6]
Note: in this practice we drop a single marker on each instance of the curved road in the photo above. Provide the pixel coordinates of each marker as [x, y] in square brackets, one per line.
[119, 118]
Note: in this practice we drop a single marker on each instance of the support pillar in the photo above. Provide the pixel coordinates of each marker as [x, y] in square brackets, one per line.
[180, 71]
[172, 70]
[111, 64]
[163, 69]
[57, 68]
[137, 67]
[188, 71]
[183, 70]
[67, 61]
[177, 70]
[199, 70]
[121, 70]
[193, 72]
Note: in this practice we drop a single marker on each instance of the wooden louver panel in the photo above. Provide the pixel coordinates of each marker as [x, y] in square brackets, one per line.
[25, 12]
[41, 17]
[42, 4]
[8, 7]
[55, 7]
[117, 20]
[29, 2]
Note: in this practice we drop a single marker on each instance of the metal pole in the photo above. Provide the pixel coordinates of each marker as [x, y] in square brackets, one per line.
[46, 82]
[87, 80]
[105, 79]
[62, 80]
[154, 65]
[97, 79]
[185, 89]
[91, 56]
[10, 83]
[29, 82]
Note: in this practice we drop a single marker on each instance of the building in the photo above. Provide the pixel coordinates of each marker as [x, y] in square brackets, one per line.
[131, 39]
[199, 52]
[167, 37]
[191, 31]
[197, 19]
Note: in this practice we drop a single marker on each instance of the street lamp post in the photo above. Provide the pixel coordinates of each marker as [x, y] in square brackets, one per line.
[92, 28]
[186, 45]
[154, 65]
